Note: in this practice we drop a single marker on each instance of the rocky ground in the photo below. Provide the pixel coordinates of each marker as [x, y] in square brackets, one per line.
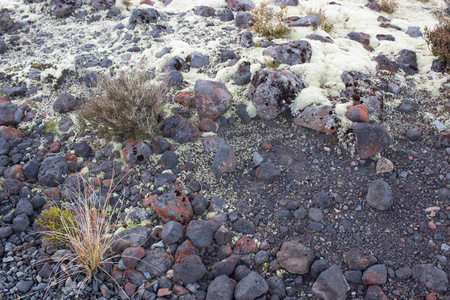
[325, 178]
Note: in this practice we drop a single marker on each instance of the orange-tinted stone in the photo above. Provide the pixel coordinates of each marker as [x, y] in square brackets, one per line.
[173, 206]
[15, 172]
[148, 2]
[208, 125]
[164, 292]
[446, 136]
[317, 118]
[53, 193]
[179, 290]
[245, 245]
[70, 157]
[186, 99]
[357, 113]
[130, 289]
[9, 133]
[148, 201]
[55, 147]
[184, 250]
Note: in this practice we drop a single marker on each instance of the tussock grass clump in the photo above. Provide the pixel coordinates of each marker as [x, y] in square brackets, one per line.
[438, 40]
[268, 23]
[84, 228]
[126, 105]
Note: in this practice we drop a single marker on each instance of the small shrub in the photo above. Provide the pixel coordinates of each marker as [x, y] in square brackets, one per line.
[388, 6]
[126, 105]
[438, 40]
[324, 24]
[61, 222]
[51, 126]
[269, 23]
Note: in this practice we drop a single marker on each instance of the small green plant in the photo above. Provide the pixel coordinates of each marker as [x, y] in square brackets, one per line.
[324, 23]
[51, 126]
[438, 40]
[388, 6]
[126, 105]
[268, 23]
[61, 222]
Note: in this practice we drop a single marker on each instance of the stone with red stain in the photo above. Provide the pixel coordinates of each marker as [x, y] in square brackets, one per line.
[245, 245]
[53, 193]
[10, 114]
[160, 145]
[224, 161]
[184, 250]
[360, 37]
[376, 274]
[357, 113]
[148, 201]
[185, 132]
[371, 139]
[317, 118]
[132, 255]
[385, 64]
[130, 289]
[55, 147]
[173, 206]
[179, 290]
[70, 157]
[272, 91]
[208, 125]
[134, 276]
[357, 261]
[213, 142]
[212, 99]
[374, 292]
[224, 252]
[9, 133]
[15, 172]
[164, 292]
[186, 99]
[430, 296]
[136, 151]
[147, 2]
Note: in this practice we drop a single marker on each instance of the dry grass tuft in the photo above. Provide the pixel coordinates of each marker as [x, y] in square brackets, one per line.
[84, 229]
[388, 6]
[126, 105]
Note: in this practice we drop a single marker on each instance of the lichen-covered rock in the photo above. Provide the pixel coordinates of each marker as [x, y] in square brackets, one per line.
[273, 91]
[213, 99]
[143, 16]
[292, 53]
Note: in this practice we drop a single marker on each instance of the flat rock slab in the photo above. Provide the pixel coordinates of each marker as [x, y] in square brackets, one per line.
[357, 261]
[317, 118]
[433, 278]
[379, 195]
[292, 53]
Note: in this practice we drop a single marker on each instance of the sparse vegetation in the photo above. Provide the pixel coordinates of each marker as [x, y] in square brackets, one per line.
[268, 23]
[271, 63]
[84, 228]
[51, 126]
[438, 40]
[388, 6]
[126, 105]
[324, 23]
